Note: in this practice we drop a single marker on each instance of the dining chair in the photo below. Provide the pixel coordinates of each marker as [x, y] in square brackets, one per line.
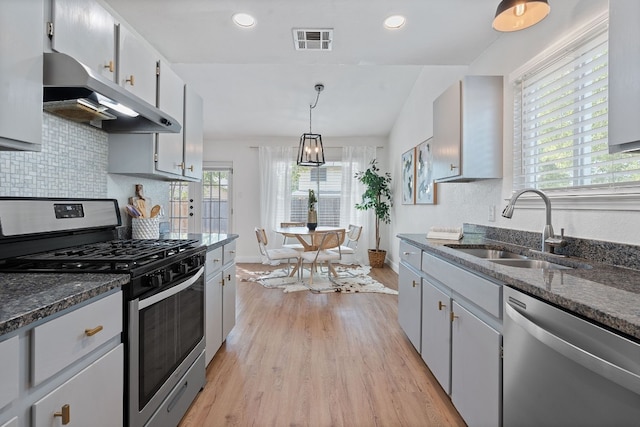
[276, 254]
[328, 252]
[351, 243]
[292, 245]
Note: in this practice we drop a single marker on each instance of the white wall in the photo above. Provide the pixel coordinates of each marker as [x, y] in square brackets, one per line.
[243, 155]
[469, 202]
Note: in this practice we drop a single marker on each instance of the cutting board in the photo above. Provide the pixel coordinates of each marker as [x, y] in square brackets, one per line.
[141, 202]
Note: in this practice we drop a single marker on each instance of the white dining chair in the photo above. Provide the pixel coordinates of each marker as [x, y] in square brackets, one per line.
[328, 252]
[292, 245]
[276, 255]
[348, 248]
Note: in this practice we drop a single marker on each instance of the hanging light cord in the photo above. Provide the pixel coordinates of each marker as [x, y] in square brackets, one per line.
[311, 107]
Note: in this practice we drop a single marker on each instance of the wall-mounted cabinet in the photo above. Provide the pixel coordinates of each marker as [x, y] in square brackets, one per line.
[467, 130]
[21, 75]
[86, 31]
[137, 66]
[624, 76]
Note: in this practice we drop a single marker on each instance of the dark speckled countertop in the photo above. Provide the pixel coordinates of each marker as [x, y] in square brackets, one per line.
[28, 297]
[606, 294]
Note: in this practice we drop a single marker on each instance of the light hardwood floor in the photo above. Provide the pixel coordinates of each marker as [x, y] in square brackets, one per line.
[303, 359]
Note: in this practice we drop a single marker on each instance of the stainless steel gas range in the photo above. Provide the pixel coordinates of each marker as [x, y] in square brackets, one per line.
[163, 303]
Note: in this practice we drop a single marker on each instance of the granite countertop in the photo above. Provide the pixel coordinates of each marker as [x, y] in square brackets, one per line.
[29, 297]
[210, 240]
[606, 294]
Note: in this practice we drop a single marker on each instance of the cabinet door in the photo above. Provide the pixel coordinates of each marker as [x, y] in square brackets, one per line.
[447, 135]
[476, 369]
[9, 370]
[93, 396]
[13, 422]
[193, 134]
[228, 299]
[136, 66]
[21, 74]
[213, 315]
[409, 304]
[170, 100]
[86, 31]
[624, 75]
[436, 333]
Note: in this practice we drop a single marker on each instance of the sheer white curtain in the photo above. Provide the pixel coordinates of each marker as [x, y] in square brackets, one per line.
[356, 159]
[275, 165]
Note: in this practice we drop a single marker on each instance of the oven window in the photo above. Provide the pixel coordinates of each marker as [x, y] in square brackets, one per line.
[169, 330]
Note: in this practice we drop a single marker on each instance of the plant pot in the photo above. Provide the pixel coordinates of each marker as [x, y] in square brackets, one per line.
[376, 258]
[312, 220]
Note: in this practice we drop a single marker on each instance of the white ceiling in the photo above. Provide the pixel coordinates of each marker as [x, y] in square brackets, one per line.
[254, 82]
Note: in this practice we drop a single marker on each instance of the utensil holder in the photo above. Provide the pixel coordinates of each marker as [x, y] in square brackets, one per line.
[145, 228]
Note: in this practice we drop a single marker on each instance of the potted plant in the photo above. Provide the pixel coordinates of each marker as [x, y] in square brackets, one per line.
[377, 196]
[312, 214]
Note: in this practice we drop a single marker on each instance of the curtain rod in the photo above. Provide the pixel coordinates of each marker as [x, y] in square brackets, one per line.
[296, 146]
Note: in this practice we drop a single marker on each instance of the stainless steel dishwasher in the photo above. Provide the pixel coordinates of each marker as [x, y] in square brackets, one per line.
[560, 370]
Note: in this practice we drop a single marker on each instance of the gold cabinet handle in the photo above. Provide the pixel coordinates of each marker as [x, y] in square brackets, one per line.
[452, 167]
[92, 332]
[131, 80]
[109, 66]
[414, 283]
[65, 413]
[441, 305]
[181, 165]
[216, 260]
[453, 316]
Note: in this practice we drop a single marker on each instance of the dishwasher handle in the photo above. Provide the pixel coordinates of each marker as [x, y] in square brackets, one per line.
[602, 367]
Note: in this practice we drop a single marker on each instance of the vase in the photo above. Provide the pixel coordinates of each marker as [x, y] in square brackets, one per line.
[312, 220]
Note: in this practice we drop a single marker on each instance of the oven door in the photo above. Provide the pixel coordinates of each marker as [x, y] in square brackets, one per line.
[166, 337]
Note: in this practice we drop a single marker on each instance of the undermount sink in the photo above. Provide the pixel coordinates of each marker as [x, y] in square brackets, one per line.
[490, 253]
[530, 263]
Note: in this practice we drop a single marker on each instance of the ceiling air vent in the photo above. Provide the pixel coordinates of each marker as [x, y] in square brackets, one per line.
[313, 39]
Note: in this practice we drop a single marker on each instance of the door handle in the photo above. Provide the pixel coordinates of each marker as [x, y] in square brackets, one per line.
[65, 414]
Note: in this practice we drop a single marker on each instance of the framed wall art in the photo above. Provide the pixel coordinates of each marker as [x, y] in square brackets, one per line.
[409, 177]
[425, 187]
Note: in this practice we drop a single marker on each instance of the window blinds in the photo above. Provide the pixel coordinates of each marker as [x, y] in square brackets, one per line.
[561, 118]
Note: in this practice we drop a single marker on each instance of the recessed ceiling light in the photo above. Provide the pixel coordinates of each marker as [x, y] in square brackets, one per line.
[244, 20]
[394, 22]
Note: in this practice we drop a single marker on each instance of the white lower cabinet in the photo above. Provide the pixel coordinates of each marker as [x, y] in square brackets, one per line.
[220, 297]
[476, 374]
[13, 422]
[93, 397]
[409, 303]
[9, 363]
[436, 333]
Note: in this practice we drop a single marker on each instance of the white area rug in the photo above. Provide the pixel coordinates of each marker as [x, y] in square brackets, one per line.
[350, 280]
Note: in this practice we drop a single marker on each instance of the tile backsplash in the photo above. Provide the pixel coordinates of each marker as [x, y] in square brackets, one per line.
[72, 163]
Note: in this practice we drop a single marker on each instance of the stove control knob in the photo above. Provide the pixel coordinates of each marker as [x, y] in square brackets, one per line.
[155, 280]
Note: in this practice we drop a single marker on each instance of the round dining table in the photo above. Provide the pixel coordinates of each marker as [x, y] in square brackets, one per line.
[309, 239]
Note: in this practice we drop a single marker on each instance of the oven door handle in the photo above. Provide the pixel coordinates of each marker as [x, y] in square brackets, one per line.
[171, 291]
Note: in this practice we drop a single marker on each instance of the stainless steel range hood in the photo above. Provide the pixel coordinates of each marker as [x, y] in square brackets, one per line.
[74, 91]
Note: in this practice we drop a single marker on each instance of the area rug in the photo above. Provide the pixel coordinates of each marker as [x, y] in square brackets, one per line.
[350, 280]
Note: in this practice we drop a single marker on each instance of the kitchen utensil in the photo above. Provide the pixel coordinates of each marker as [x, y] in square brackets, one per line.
[132, 211]
[155, 210]
[142, 207]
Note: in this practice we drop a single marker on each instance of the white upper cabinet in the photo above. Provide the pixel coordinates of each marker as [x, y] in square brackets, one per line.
[193, 134]
[170, 100]
[467, 130]
[21, 45]
[624, 76]
[136, 66]
[86, 31]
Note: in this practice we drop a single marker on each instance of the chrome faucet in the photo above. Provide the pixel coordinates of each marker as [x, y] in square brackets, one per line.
[549, 241]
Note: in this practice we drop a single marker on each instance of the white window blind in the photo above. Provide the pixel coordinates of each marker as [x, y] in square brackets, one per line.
[561, 119]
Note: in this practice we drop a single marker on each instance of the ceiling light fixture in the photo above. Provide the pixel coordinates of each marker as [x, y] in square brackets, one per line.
[310, 151]
[243, 20]
[514, 15]
[394, 22]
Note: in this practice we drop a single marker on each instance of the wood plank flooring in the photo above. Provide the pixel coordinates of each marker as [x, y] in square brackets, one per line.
[303, 359]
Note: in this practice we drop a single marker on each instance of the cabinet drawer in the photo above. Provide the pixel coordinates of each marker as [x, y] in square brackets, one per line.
[214, 261]
[410, 254]
[484, 293]
[229, 252]
[9, 368]
[60, 342]
[93, 396]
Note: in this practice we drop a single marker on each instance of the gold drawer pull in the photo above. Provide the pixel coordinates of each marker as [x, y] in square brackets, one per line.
[131, 80]
[109, 66]
[453, 316]
[190, 168]
[65, 413]
[441, 305]
[92, 332]
[414, 283]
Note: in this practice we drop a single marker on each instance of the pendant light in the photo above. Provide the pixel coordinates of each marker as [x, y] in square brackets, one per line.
[310, 151]
[514, 15]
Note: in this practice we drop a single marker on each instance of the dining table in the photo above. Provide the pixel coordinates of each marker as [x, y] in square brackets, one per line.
[309, 239]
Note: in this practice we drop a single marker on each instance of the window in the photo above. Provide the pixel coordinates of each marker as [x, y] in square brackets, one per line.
[179, 207]
[561, 118]
[326, 181]
[215, 201]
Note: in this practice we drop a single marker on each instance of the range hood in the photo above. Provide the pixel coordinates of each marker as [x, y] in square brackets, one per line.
[74, 91]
